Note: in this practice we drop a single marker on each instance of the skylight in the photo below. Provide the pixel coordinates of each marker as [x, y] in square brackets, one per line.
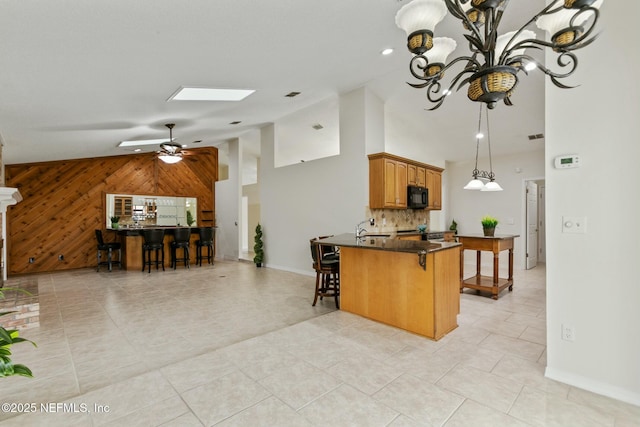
[143, 142]
[209, 94]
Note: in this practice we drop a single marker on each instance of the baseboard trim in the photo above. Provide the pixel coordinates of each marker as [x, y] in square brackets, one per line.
[597, 387]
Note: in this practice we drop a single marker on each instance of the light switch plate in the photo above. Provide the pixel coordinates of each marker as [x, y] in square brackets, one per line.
[574, 224]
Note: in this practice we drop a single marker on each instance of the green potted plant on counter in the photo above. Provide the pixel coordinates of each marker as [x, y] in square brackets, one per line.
[190, 219]
[489, 224]
[114, 222]
[454, 226]
[257, 247]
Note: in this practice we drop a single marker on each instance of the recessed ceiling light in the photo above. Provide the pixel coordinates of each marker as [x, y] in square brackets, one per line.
[209, 94]
[387, 51]
[143, 142]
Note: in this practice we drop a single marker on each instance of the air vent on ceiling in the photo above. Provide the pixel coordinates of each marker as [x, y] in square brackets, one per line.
[536, 136]
[292, 94]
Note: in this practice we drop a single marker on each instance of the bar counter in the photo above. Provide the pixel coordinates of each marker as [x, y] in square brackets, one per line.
[131, 239]
[410, 284]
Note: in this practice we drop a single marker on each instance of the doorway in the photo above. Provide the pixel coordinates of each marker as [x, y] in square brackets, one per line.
[534, 223]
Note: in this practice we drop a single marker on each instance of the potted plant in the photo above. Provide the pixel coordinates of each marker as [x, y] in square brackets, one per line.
[489, 224]
[454, 226]
[190, 219]
[114, 222]
[7, 339]
[257, 247]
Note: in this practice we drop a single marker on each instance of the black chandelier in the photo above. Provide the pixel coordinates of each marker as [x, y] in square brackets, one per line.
[491, 69]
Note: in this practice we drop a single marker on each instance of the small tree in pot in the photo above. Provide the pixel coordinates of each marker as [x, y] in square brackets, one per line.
[257, 247]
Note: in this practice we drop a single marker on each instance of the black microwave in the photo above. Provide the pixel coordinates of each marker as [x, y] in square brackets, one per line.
[417, 197]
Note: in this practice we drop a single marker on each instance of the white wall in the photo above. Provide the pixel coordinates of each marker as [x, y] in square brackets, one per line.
[323, 196]
[592, 278]
[228, 206]
[467, 207]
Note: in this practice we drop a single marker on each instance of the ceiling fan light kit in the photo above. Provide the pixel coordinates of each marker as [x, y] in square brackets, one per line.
[169, 152]
[491, 69]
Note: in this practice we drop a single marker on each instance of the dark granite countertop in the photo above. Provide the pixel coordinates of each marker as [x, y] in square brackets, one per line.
[387, 244]
[133, 231]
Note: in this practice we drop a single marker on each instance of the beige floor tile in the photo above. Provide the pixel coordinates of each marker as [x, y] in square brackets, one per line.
[126, 397]
[477, 415]
[267, 413]
[224, 397]
[529, 373]
[198, 370]
[158, 413]
[346, 406]
[542, 409]
[364, 373]
[421, 401]
[514, 346]
[483, 387]
[192, 347]
[298, 384]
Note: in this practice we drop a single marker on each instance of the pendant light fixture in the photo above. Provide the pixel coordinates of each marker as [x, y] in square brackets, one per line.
[476, 183]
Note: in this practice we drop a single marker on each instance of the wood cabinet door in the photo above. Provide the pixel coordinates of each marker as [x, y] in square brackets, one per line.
[412, 175]
[401, 184]
[390, 195]
[421, 177]
[434, 184]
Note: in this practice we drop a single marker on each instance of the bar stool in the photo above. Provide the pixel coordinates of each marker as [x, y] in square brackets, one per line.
[109, 248]
[326, 262]
[180, 240]
[153, 241]
[206, 235]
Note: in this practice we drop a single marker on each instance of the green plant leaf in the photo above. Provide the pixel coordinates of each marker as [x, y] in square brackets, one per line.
[22, 370]
[5, 336]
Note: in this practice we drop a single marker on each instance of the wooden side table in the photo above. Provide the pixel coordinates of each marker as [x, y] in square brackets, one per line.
[495, 244]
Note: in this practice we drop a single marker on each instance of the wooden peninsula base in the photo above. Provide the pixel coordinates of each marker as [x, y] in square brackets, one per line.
[381, 279]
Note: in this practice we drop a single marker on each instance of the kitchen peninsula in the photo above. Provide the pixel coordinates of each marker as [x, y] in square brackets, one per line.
[413, 285]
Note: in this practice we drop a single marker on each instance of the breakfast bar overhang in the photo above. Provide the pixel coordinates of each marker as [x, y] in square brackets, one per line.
[409, 284]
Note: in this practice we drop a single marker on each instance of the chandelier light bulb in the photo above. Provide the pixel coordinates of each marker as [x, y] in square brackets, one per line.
[420, 15]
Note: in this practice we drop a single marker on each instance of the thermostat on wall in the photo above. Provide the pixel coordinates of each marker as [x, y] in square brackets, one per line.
[568, 161]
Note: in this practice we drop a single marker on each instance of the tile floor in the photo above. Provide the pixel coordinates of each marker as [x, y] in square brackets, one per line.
[232, 345]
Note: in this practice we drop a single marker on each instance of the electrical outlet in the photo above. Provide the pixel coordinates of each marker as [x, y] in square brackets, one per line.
[568, 333]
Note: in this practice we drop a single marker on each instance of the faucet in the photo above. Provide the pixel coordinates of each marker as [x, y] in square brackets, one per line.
[360, 230]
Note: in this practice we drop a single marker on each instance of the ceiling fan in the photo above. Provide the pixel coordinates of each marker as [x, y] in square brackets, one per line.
[171, 152]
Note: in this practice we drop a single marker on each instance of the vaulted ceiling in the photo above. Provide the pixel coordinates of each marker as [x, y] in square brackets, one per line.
[77, 77]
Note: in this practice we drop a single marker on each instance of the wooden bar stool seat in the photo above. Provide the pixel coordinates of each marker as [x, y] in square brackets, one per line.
[153, 242]
[326, 262]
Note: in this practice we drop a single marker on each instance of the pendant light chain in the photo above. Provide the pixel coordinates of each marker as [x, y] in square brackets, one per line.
[489, 144]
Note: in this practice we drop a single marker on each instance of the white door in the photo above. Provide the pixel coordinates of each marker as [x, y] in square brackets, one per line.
[532, 224]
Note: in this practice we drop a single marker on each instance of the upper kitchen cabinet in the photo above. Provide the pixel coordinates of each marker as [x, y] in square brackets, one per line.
[387, 182]
[390, 175]
[417, 175]
[434, 185]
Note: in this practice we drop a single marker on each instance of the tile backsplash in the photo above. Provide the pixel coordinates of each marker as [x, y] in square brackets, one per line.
[389, 220]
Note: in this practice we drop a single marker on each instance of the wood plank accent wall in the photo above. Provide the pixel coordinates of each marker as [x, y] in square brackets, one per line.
[65, 201]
